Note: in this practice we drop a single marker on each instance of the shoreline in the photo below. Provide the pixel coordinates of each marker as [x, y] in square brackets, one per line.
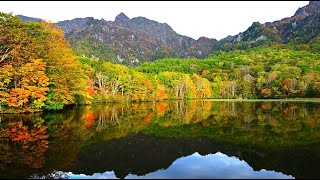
[312, 100]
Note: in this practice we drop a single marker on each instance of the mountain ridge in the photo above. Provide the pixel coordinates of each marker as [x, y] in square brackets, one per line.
[139, 39]
[131, 41]
[300, 28]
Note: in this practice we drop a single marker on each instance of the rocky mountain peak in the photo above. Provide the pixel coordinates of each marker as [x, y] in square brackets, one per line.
[121, 17]
[312, 8]
[316, 3]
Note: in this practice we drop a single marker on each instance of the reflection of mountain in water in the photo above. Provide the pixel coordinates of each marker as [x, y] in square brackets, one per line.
[216, 165]
[141, 154]
[141, 138]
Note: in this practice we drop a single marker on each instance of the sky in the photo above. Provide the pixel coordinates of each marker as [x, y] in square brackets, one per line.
[213, 19]
[196, 166]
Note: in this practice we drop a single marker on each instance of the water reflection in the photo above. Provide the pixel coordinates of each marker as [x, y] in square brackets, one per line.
[142, 138]
[195, 166]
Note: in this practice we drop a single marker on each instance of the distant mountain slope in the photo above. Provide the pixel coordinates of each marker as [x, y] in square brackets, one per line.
[29, 19]
[301, 28]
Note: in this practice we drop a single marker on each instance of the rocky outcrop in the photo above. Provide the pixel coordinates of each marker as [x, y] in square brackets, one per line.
[130, 41]
[134, 40]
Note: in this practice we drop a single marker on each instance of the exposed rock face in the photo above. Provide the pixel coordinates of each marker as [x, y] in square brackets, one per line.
[122, 18]
[131, 41]
[75, 24]
[312, 8]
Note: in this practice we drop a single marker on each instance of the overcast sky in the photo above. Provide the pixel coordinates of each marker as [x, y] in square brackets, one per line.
[212, 19]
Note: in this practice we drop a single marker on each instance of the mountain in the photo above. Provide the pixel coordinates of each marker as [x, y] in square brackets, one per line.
[131, 41]
[137, 40]
[301, 28]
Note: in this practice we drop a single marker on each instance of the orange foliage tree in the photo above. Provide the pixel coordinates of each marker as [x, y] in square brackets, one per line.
[38, 67]
[67, 78]
[33, 86]
[23, 79]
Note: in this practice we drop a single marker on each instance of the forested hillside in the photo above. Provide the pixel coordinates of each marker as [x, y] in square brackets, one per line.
[278, 71]
[40, 71]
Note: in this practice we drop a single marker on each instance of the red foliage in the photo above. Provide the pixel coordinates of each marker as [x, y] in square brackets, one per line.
[265, 91]
[91, 91]
[162, 107]
[161, 94]
[265, 106]
[148, 84]
[89, 120]
[287, 80]
[148, 118]
[33, 143]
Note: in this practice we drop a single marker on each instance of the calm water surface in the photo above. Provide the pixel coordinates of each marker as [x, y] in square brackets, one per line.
[174, 139]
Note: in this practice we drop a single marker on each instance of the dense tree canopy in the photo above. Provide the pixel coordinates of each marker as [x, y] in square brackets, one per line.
[38, 68]
[264, 72]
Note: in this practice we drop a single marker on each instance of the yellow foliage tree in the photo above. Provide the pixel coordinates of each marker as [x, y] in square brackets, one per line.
[67, 78]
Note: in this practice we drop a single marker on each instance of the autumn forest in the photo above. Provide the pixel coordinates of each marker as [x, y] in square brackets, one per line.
[40, 71]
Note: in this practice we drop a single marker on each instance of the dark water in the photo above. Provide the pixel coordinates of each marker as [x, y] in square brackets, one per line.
[176, 139]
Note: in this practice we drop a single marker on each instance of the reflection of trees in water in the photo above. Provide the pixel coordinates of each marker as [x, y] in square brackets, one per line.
[245, 114]
[132, 115]
[107, 117]
[287, 110]
[291, 112]
[53, 175]
[141, 154]
[22, 147]
[231, 108]
[114, 116]
[274, 112]
[101, 122]
[190, 111]
[276, 116]
[248, 118]
[267, 112]
[271, 122]
[203, 110]
[181, 108]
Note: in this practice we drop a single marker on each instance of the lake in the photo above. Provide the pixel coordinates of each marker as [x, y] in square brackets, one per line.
[169, 139]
